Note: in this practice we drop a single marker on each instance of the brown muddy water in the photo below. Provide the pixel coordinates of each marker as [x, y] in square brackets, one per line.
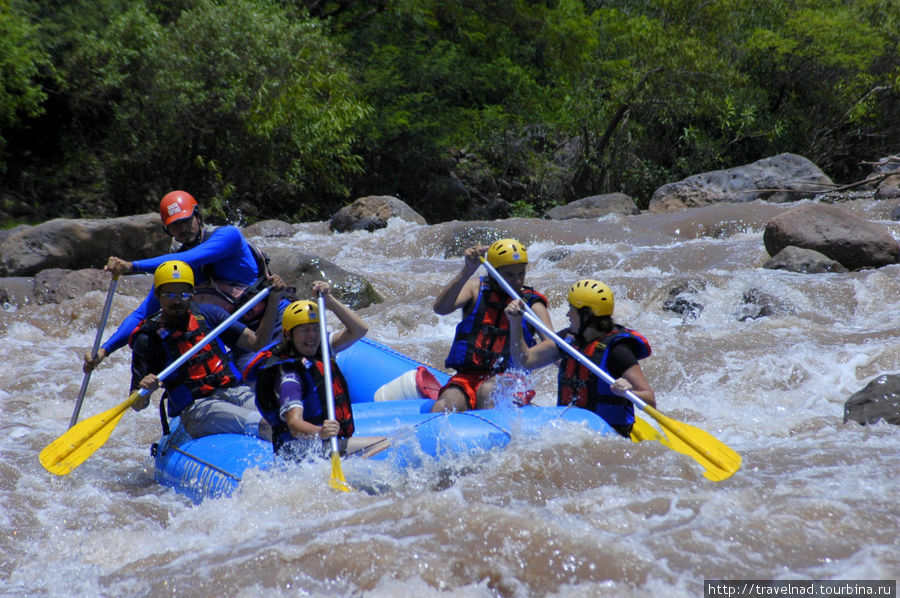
[565, 513]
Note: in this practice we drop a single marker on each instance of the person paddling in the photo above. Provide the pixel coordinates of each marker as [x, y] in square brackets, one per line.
[480, 349]
[205, 390]
[612, 347]
[229, 269]
[290, 382]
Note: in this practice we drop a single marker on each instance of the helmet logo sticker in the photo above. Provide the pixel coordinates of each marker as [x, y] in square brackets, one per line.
[174, 208]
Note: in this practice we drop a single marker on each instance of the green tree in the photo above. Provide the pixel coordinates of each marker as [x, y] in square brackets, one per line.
[831, 70]
[21, 61]
[234, 101]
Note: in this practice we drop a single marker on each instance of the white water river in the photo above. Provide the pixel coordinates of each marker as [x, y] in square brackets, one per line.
[562, 514]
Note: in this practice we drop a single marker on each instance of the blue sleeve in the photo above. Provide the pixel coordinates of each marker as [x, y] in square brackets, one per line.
[225, 248]
[119, 338]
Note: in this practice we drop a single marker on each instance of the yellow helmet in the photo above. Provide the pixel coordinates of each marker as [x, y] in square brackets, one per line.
[173, 271]
[506, 252]
[592, 294]
[299, 312]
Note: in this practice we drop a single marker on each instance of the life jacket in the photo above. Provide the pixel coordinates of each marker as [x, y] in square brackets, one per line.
[579, 386]
[207, 371]
[230, 295]
[266, 368]
[481, 342]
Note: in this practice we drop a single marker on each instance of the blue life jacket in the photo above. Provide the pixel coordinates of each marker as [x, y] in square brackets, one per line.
[481, 342]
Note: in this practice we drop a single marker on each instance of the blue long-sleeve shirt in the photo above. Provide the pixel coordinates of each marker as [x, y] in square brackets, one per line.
[224, 251]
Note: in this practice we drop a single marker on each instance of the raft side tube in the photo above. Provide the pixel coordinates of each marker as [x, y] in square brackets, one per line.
[368, 365]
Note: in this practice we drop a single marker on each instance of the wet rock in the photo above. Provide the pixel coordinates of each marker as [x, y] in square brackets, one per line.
[781, 178]
[269, 229]
[595, 206]
[16, 291]
[889, 188]
[557, 254]
[80, 243]
[836, 233]
[681, 300]
[879, 399]
[372, 213]
[895, 213]
[301, 269]
[805, 261]
[56, 285]
[759, 304]
[468, 234]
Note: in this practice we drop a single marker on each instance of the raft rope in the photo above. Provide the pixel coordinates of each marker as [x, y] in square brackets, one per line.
[206, 463]
[484, 419]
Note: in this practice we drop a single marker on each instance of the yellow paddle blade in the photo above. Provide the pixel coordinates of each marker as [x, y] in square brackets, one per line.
[719, 460]
[81, 440]
[642, 430]
[337, 474]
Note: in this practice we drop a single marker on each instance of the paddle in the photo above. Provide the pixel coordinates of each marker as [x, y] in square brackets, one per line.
[338, 482]
[72, 448]
[719, 460]
[97, 339]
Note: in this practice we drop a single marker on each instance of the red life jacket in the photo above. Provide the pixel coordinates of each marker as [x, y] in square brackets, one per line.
[579, 386]
[481, 341]
[201, 375]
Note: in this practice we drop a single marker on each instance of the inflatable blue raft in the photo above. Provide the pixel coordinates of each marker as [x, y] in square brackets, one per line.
[387, 389]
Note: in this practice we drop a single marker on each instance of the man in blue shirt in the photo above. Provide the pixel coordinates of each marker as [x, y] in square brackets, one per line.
[228, 269]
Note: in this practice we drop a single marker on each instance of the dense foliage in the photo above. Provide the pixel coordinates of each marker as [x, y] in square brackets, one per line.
[291, 109]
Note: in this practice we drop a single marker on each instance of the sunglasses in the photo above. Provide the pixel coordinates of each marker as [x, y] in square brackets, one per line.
[170, 296]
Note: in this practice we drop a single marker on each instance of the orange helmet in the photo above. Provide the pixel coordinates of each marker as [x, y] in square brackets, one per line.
[176, 205]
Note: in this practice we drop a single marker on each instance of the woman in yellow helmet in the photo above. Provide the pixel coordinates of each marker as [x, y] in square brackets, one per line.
[480, 349]
[290, 391]
[614, 348]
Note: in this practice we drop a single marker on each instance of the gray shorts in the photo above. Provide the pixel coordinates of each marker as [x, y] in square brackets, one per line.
[227, 410]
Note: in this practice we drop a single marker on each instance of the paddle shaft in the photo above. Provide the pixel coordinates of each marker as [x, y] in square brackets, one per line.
[326, 364]
[96, 347]
[535, 321]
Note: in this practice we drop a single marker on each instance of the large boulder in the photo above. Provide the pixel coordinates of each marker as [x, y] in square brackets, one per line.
[300, 269]
[80, 243]
[56, 285]
[269, 229]
[371, 213]
[781, 178]
[595, 206]
[834, 232]
[459, 236]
